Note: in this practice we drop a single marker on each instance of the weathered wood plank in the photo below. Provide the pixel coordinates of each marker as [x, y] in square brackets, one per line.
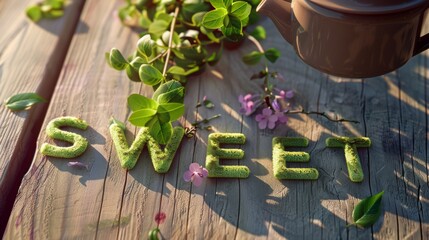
[31, 56]
[55, 200]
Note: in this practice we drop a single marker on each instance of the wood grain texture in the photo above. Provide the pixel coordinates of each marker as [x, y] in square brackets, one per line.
[56, 201]
[31, 57]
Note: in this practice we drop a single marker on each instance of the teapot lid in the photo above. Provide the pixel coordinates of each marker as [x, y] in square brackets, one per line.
[369, 6]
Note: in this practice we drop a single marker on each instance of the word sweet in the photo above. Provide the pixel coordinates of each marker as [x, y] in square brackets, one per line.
[163, 157]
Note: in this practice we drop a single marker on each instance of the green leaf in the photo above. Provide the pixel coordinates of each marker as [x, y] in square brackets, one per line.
[259, 33]
[171, 91]
[217, 4]
[157, 28]
[161, 132]
[142, 117]
[197, 18]
[166, 38]
[174, 110]
[221, 3]
[117, 61]
[153, 234]
[176, 70]
[137, 102]
[23, 101]
[272, 54]
[240, 9]
[145, 45]
[233, 29]
[188, 10]
[214, 18]
[367, 211]
[150, 75]
[252, 58]
[53, 14]
[132, 73]
[34, 13]
[208, 104]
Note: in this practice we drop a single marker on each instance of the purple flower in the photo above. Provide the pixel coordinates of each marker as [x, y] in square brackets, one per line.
[195, 174]
[282, 118]
[160, 217]
[248, 106]
[78, 165]
[266, 119]
[284, 94]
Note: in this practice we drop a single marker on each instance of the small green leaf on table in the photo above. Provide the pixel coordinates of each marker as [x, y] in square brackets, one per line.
[23, 101]
[208, 104]
[367, 211]
[259, 33]
[34, 13]
[272, 54]
[252, 58]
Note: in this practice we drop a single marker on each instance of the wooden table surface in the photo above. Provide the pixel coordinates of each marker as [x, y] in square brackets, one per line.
[63, 60]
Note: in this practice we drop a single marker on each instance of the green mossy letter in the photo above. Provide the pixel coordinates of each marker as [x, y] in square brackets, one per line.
[215, 152]
[350, 146]
[161, 159]
[53, 130]
[280, 157]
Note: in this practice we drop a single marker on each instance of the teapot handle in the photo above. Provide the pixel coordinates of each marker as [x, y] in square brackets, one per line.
[422, 42]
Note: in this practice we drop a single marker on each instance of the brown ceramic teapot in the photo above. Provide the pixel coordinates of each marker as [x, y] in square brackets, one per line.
[351, 38]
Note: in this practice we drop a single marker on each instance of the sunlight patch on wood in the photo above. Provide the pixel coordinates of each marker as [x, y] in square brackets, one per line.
[233, 113]
[394, 90]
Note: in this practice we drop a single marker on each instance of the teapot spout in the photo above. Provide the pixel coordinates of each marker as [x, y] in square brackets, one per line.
[279, 11]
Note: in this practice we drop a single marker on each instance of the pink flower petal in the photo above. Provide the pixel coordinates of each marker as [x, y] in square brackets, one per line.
[194, 167]
[160, 217]
[263, 124]
[204, 172]
[248, 97]
[197, 180]
[187, 176]
[78, 165]
[267, 112]
[259, 117]
[273, 118]
[271, 125]
[241, 98]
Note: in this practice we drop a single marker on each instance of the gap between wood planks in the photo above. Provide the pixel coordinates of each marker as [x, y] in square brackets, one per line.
[33, 124]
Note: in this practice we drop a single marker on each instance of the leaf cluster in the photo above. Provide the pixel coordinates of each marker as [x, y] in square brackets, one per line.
[228, 16]
[178, 39]
[157, 113]
[46, 9]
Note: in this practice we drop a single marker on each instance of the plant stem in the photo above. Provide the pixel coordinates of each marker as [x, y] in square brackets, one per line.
[323, 114]
[256, 42]
[261, 49]
[170, 40]
[205, 120]
[157, 57]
